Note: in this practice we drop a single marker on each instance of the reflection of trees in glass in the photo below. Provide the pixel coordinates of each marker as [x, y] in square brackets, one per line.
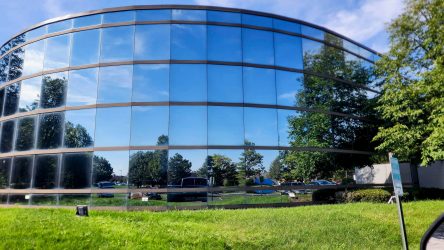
[53, 91]
[45, 172]
[4, 172]
[16, 58]
[4, 63]
[12, 98]
[178, 168]
[250, 163]
[150, 167]
[50, 130]
[76, 136]
[76, 171]
[102, 170]
[221, 168]
[25, 134]
[21, 172]
[278, 169]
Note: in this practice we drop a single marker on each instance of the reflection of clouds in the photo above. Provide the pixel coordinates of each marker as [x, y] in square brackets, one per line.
[288, 96]
[33, 58]
[82, 87]
[116, 77]
[184, 34]
[30, 91]
[57, 52]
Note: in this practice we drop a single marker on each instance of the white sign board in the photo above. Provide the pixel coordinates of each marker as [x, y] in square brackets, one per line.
[396, 176]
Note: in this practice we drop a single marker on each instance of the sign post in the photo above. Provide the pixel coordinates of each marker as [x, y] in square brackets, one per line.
[397, 186]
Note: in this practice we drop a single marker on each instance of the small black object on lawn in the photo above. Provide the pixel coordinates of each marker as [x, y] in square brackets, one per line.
[81, 210]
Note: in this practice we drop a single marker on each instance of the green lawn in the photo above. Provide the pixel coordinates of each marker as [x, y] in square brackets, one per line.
[347, 226]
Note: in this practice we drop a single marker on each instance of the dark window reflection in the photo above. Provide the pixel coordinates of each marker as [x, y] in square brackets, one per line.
[188, 82]
[16, 60]
[57, 52]
[85, 47]
[148, 169]
[117, 44]
[259, 85]
[151, 83]
[30, 94]
[79, 128]
[46, 171]
[258, 46]
[21, 172]
[53, 90]
[12, 99]
[50, 131]
[7, 136]
[5, 169]
[25, 134]
[76, 171]
[225, 83]
[224, 43]
[317, 93]
[82, 87]
[2, 97]
[148, 125]
[152, 42]
[188, 42]
[115, 84]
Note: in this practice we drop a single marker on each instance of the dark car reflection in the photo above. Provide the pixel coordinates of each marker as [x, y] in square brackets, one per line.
[105, 185]
[189, 182]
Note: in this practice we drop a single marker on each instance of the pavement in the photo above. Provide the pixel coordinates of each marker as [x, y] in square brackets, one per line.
[436, 242]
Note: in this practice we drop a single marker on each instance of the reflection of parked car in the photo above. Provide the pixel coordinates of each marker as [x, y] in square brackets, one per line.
[105, 185]
[189, 182]
[321, 183]
[153, 196]
[293, 184]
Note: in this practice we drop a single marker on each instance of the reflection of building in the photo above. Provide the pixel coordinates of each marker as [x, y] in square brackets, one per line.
[150, 91]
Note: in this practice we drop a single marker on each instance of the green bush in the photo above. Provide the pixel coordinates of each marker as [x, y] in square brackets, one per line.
[368, 195]
[325, 195]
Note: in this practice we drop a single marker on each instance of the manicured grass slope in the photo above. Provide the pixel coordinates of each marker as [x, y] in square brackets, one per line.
[348, 226]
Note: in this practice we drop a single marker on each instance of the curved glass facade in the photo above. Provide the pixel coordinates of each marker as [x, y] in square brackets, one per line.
[152, 97]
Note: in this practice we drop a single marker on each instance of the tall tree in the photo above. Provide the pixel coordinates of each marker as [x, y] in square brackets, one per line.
[221, 168]
[250, 163]
[412, 73]
[178, 168]
[102, 169]
[76, 136]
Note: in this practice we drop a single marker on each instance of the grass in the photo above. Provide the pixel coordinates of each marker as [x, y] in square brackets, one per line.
[345, 226]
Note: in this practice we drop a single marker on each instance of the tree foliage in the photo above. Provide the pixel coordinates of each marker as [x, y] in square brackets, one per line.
[102, 170]
[250, 163]
[178, 168]
[412, 73]
[221, 168]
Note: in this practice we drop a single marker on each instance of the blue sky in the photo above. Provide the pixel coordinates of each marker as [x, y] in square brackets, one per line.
[361, 20]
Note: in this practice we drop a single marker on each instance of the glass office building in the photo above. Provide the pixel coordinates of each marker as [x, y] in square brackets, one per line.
[143, 100]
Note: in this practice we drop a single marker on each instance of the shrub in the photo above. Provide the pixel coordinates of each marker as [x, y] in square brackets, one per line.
[325, 195]
[368, 195]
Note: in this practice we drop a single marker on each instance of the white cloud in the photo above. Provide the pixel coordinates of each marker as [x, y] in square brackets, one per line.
[54, 8]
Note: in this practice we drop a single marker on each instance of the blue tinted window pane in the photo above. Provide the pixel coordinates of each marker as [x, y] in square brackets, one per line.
[149, 125]
[366, 54]
[190, 15]
[12, 99]
[287, 26]
[85, 47]
[53, 90]
[257, 20]
[115, 84]
[117, 17]
[30, 94]
[25, 133]
[223, 17]
[82, 87]
[259, 86]
[151, 83]
[152, 42]
[224, 43]
[79, 128]
[16, 59]
[87, 21]
[225, 83]
[351, 46]
[112, 127]
[225, 126]
[188, 125]
[35, 33]
[117, 44]
[288, 85]
[34, 54]
[7, 136]
[59, 26]
[57, 52]
[284, 118]
[310, 49]
[288, 51]
[258, 46]
[261, 126]
[188, 83]
[312, 32]
[188, 42]
[153, 15]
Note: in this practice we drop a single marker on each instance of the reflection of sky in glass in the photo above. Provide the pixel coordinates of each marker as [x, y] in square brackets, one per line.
[188, 42]
[233, 154]
[257, 20]
[188, 82]
[196, 157]
[312, 32]
[30, 94]
[188, 125]
[117, 17]
[112, 126]
[34, 54]
[59, 26]
[85, 47]
[225, 17]
[151, 83]
[287, 26]
[153, 15]
[119, 161]
[87, 21]
[152, 42]
[57, 52]
[82, 87]
[117, 44]
[35, 33]
[259, 86]
[224, 43]
[115, 84]
[283, 125]
[288, 84]
[258, 46]
[225, 83]
[189, 15]
[225, 126]
[288, 51]
[261, 126]
[147, 124]
[311, 47]
[84, 118]
[269, 156]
